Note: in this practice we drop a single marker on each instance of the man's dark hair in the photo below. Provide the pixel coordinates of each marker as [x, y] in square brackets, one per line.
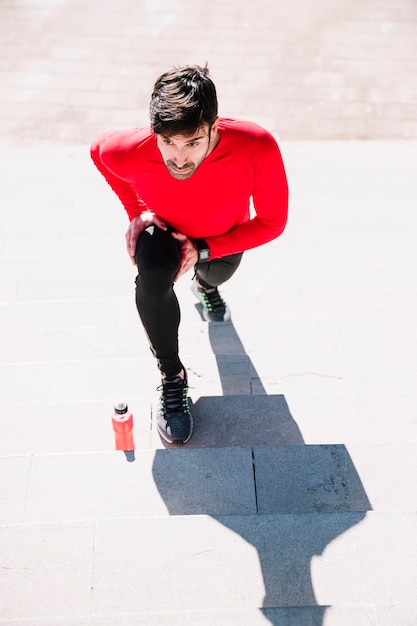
[183, 99]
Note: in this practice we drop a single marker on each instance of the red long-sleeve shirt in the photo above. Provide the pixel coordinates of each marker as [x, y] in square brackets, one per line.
[214, 203]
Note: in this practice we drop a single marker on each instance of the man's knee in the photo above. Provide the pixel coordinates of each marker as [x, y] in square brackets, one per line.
[158, 259]
[218, 271]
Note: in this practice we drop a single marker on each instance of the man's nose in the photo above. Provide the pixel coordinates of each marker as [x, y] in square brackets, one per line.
[180, 158]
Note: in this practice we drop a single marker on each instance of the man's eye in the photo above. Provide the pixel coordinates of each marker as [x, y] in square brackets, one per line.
[193, 144]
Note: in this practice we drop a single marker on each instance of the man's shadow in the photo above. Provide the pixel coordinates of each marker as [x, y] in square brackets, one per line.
[288, 478]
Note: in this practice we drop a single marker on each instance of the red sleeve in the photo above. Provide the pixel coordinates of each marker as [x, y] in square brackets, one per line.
[270, 200]
[103, 152]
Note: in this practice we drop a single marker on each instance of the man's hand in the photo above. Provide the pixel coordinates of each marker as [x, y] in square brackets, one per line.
[189, 254]
[137, 226]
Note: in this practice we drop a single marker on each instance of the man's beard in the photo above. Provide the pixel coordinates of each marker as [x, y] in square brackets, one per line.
[181, 173]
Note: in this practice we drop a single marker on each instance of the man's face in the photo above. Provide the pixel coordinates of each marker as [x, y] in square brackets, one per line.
[183, 154]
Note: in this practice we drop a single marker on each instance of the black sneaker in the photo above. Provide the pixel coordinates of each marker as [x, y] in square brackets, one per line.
[173, 416]
[214, 307]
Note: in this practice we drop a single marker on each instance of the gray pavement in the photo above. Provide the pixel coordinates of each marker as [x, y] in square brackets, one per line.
[306, 70]
[295, 501]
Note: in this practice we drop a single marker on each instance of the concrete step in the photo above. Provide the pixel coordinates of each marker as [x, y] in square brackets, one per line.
[202, 563]
[220, 421]
[213, 481]
[371, 615]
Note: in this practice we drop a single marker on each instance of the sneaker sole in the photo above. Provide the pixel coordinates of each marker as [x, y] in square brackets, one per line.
[226, 316]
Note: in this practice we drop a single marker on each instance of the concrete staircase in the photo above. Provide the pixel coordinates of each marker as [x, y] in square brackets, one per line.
[184, 537]
[295, 501]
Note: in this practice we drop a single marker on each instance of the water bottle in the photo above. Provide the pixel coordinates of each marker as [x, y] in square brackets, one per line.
[122, 420]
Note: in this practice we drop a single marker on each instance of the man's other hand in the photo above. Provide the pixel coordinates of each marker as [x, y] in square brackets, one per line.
[189, 254]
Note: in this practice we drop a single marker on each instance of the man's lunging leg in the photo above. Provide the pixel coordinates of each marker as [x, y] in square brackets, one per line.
[158, 258]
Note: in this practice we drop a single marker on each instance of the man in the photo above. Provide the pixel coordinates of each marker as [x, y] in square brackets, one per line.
[186, 184]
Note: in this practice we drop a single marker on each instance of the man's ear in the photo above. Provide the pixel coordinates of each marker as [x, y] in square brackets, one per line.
[214, 129]
[215, 125]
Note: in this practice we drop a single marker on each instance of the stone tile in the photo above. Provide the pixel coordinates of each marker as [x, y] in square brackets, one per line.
[383, 470]
[404, 615]
[302, 479]
[296, 560]
[355, 418]
[163, 553]
[95, 343]
[14, 478]
[379, 555]
[46, 569]
[89, 486]
[205, 481]
[242, 420]
[69, 427]
[284, 616]
[74, 381]
[376, 411]
[77, 313]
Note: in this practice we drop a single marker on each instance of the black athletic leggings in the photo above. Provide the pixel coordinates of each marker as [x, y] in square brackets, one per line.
[158, 258]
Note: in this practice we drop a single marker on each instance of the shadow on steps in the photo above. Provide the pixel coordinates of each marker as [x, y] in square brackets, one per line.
[296, 487]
